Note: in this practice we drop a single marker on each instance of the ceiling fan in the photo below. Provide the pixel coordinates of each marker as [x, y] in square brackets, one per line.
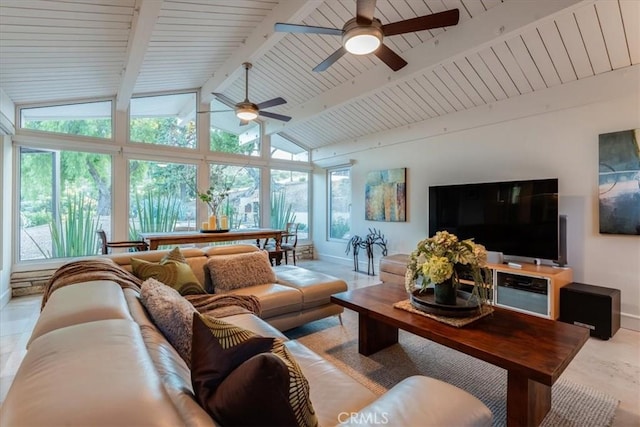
[247, 110]
[364, 33]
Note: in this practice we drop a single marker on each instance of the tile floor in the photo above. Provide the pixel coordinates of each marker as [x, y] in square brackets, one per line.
[612, 366]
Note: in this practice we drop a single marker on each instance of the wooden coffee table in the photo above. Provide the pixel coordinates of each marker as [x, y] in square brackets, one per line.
[533, 350]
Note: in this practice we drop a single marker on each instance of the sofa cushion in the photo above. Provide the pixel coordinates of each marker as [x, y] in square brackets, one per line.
[172, 270]
[81, 303]
[171, 313]
[235, 271]
[274, 299]
[90, 374]
[268, 380]
[316, 287]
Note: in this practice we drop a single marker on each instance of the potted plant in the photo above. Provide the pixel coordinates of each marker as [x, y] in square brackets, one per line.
[439, 261]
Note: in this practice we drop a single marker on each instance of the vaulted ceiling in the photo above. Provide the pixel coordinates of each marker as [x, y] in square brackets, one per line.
[60, 50]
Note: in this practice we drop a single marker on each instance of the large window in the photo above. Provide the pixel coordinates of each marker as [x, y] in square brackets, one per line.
[165, 120]
[88, 119]
[161, 197]
[290, 200]
[242, 206]
[284, 148]
[339, 203]
[65, 196]
[230, 135]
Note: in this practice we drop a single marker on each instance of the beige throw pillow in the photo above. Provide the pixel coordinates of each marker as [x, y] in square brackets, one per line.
[235, 271]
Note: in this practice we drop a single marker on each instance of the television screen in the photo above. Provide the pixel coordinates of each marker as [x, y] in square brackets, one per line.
[518, 218]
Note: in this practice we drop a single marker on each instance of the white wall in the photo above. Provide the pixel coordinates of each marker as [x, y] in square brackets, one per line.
[537, 136]
[5, 218]
[6, 127]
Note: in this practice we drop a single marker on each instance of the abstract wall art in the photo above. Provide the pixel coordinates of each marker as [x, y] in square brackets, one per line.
[386, 195]
[619, 182]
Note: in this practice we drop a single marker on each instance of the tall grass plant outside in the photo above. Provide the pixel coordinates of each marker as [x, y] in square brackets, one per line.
[281, 211]
[73, 234]
[154, 213]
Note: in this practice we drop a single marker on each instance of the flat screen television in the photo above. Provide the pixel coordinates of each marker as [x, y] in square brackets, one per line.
[517, 218]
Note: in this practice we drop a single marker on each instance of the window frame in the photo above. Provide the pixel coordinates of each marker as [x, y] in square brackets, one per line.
[329, 174]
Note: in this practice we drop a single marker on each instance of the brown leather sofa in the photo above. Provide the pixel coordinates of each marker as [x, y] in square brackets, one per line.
[97, 358]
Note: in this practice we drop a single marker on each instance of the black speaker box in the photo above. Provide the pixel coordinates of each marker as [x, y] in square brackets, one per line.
[596, 307]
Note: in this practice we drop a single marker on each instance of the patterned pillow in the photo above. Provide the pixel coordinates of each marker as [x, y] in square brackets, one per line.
[172, 270]
[240, 270]
[171, 313]
[233, 369]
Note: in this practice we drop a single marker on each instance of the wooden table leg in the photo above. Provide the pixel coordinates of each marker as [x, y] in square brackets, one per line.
[528, 401]
[374, 335]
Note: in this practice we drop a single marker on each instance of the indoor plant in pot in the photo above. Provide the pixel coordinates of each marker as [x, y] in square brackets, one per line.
[436, 265]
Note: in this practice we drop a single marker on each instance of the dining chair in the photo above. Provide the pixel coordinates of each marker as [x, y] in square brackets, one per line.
[138, 245]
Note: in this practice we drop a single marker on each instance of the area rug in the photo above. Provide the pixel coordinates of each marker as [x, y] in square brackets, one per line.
[572, 405]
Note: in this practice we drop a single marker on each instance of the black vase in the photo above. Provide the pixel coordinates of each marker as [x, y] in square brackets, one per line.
[445, 293]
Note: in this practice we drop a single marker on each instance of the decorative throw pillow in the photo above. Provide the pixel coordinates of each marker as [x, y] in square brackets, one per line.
[233, 369]
[171, 313]
[240, 270]
[172, 270]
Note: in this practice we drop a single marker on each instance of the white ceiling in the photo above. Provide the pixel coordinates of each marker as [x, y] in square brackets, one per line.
[59, 50]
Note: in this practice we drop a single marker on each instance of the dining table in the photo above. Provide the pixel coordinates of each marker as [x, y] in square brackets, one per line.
[155, 239]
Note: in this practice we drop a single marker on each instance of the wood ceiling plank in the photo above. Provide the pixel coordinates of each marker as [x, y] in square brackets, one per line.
[52, 13]
[558, 53]
[499, 72]
[435, 94]
[527, 65]
[512, 67]
[473, 7]
[465, 85]
[613, 32]
[480, 67]
[422, 107]
[593, 40]
[570, 34]
[417, 86]
[452, 86]
[631, 20]
[541, 58]
[67, 23]
[405, 103]
[475, 80]
[390, 108]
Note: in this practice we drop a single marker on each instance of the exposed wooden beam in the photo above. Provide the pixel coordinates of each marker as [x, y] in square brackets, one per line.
[257, 44]
[144, 20]
[498, 23]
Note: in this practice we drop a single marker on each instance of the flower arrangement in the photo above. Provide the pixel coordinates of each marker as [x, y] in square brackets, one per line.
[214, 197]
[444, 257]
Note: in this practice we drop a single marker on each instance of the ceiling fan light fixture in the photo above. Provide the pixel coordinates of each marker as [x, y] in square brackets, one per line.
[246, 111]
[362, 39]
[362, 44]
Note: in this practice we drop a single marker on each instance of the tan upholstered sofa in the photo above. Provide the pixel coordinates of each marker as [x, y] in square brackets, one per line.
[97, 358]
[297, 297]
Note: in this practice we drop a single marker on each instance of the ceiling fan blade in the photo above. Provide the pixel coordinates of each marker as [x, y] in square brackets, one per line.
[389, 57]
[308, 29]
[224, 99]
[436, 20]
[272, 103]
[274, 116]
[364, 11]
[331, 59]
